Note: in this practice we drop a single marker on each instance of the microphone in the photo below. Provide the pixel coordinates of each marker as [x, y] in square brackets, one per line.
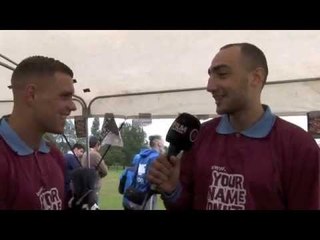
[181, 136]
[182, 133]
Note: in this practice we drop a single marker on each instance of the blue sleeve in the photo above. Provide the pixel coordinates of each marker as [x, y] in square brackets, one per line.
[67, 161]
[75, 162]
[71, 162]
[135, 159]
[123, 173]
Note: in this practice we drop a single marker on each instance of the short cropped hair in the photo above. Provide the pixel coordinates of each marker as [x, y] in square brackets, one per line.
[78, 146]
[93, 141]
[153, 138]
[37, 65]
[254, 56]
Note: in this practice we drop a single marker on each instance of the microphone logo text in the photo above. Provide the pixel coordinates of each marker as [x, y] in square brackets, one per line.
[179, 128]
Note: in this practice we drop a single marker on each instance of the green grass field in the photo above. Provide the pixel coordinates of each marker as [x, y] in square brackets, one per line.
[110, 198]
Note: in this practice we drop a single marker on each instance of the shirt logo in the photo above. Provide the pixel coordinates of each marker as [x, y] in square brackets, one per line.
[226, 191]
[49, 199]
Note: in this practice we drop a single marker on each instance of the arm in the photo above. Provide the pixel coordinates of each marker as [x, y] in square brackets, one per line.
[3, 182]
[102, 169]
[302, 174]
[181, 198]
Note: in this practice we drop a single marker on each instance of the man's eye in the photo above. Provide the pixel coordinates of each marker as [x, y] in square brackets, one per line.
[66, 96]
[223, 74]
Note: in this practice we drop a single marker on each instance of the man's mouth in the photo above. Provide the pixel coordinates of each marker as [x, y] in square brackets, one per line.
[218, 99]
[64, 117]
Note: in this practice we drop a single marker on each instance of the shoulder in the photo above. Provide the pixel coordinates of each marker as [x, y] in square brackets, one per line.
[95, 155]
[285, 126]
[154, 154]
[293, 137]
[209, 125]
[2, 144]
[57, 154]
[68, 156]
[54, 150]
[208, 128]
[6, 152]
[292, 131]
[207, 131]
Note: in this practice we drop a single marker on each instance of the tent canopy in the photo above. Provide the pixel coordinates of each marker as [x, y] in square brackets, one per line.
[165, 72]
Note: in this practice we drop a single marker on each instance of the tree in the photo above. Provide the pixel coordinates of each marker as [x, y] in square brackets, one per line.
[70, 133]
[95, 129]
[115, 156]
[133, 140]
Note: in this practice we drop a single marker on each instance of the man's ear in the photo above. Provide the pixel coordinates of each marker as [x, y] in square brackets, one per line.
[257, 77]
[30, 93]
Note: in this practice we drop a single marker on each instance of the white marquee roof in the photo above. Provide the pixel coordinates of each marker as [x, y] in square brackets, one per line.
[167, 65]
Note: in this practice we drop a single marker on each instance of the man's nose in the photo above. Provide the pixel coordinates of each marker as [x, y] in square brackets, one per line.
[211, 86]
[73, 106]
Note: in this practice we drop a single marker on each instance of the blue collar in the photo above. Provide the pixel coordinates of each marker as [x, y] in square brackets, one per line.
[16, 143]
[259, 130]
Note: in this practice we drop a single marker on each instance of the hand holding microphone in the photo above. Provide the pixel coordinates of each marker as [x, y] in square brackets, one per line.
[164, 171]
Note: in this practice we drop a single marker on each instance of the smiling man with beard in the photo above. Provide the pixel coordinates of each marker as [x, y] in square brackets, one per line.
[248, 158]
[31, 170]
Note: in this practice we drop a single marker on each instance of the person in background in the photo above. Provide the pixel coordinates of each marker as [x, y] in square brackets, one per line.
[136, 175]
[72, 162]
[95, 158]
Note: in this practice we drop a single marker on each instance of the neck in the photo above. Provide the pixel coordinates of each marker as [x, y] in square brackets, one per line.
[26, 129]
[244, 119]
[94, 149]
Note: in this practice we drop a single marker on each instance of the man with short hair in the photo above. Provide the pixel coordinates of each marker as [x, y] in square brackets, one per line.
[31, 170]
[72, 162]
[248, 158]
[136, 175]
[95, 157]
